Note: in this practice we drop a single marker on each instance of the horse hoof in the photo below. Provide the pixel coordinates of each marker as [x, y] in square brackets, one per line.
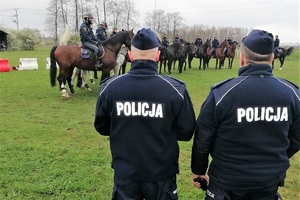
[280, 68]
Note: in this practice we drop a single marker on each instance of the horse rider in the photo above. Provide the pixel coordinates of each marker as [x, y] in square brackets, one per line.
[165, 41]
[229, 41]
[115, 30]
[88, 38]
[276, 45]
[101, 31]
[101, 36]
[214, 44]
[198, 43]
[176, 39]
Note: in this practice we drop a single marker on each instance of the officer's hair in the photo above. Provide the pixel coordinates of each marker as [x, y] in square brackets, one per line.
[253, 57]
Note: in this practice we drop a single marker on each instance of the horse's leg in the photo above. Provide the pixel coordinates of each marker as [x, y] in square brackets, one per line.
[174, 64]
[91, 77]
[62, 84]
[170, 61]
[273, 64]
[75, 72]
[281, 62]
[105, 74]
[190, 58]
[231, 62]
[95, 74]
[69, 81]
[84, 83]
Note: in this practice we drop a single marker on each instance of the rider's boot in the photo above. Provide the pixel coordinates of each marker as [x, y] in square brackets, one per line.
[98, 66]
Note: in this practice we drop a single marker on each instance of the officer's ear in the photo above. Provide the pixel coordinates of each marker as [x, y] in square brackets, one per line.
[130, 55]
[157, 56]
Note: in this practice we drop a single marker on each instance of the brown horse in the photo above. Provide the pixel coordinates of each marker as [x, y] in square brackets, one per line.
[68, 57]
[219, 54]
[230, 54]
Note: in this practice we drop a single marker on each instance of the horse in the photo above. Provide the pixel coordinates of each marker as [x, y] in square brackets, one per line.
[171, 55]
[81, 78]
[162, 58]
[68, 57]
[219, 54]
[230, 53]
[182, 54]
[201, 54]
[281, 56]
[120, 60]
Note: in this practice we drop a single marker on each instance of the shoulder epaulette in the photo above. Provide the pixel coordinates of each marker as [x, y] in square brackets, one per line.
[220, 83]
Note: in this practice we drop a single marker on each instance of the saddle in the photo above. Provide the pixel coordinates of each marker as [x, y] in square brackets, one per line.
[88, 53]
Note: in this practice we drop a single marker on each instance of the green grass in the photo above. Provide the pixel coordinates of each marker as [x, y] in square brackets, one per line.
[50, 150]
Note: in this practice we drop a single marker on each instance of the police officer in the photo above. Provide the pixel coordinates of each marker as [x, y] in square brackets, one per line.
[214, 44]
[176, 39]
[88, 38]
[115, 30]
[165, 41]
[198, 43]
[276, 45]
[144, 124]
[229, 42]
[101, 31]
[250, 126]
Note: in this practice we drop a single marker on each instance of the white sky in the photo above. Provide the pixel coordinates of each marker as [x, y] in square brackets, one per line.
[281, 17]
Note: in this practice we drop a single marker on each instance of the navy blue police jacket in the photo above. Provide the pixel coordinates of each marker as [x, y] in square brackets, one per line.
[144, 114]
[86, 33]
[250, 125]
[101, 34]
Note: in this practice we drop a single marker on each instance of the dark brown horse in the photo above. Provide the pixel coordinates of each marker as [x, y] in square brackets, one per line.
[281, 55]
[68, 57]
[230, 54]
[200, 53]
[218, 55]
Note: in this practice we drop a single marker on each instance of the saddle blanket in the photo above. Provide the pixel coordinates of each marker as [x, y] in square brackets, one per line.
[87, 53]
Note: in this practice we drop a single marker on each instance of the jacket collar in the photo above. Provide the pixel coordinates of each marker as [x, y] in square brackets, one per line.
[143, 67]
[255, 69]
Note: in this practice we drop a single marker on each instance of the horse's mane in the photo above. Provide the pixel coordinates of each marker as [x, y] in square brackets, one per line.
[116, 38]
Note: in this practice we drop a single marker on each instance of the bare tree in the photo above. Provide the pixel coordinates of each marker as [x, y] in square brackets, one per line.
[176, 21]
[130, 14]
[156, 20]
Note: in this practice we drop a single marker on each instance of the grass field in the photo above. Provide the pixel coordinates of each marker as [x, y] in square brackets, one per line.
[50, 150]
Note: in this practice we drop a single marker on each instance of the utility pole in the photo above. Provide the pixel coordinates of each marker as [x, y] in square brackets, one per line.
[17, 18]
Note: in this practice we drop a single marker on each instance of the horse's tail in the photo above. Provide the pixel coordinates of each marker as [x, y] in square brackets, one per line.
[53, 67]
[289, 51]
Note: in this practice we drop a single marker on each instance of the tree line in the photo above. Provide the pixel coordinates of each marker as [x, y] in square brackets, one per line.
[121, 14]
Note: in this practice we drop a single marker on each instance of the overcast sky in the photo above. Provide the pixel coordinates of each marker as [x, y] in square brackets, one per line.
[281, 17]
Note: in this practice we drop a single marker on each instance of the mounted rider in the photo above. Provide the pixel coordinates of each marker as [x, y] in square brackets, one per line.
[101, 31]
[214, 44]
[114, 31]
[229, 41]
[165, 41]
[88, 38]
[176, 39]
[198, 43]
[276, 45]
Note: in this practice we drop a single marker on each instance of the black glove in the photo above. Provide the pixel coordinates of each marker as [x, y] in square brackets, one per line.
[202, 182]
